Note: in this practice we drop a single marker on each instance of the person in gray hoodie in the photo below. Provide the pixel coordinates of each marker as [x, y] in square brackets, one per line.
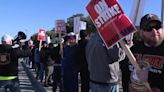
[103, 65]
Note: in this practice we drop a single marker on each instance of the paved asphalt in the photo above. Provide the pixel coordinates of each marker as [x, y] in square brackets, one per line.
[28, 83]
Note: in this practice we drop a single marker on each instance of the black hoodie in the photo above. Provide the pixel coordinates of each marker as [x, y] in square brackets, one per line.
[9, 59]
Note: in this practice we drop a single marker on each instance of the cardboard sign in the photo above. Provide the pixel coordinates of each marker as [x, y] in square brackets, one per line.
[76, 24]
[60, 26]
[41, 34]
[110, 20]
[83, 25]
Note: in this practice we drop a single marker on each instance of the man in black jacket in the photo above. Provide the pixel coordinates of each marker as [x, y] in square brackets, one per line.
[149, 55]
[9, 63]
[82, 62]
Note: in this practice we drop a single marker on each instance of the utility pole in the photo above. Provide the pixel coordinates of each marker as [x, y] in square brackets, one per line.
[162, 13]
[137, 11]
[136, 14]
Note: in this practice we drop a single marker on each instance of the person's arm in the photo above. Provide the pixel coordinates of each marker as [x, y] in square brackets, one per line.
[125, 72]
[24, 52]
[116, 53]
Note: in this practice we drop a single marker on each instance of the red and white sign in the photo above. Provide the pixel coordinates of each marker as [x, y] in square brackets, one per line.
[110, 20]
[41, 34]
[60, 26]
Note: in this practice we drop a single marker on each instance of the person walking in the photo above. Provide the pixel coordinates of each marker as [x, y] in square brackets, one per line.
[68, 65]
[9, 63]
[57, 68]
[103, 65]
[82, 62]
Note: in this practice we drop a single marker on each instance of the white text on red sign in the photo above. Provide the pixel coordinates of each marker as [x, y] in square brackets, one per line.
[105, 13]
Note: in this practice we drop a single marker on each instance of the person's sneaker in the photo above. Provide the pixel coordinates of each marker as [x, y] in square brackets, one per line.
[46, 85]
[50, 84]
[37, 77]
[41, 81]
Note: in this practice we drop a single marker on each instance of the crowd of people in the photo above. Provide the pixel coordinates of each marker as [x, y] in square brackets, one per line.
[87, 61]
[61, 70]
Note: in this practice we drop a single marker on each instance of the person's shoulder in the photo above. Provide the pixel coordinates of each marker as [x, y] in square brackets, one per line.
[6, 46]
[163, 42]
[161, 45]
[138, 44]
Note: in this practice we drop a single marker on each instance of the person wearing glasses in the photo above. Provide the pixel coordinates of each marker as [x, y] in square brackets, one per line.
[149, 54]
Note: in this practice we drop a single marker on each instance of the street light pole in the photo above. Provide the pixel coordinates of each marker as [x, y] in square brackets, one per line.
[162, 13]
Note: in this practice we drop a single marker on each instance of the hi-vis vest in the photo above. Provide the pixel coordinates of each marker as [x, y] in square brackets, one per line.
[7, 77]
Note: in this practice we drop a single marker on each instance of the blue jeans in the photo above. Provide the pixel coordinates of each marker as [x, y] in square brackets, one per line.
[12, 85]
[94, 87]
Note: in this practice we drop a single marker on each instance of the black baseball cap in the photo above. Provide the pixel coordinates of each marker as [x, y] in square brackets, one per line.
[145, 20]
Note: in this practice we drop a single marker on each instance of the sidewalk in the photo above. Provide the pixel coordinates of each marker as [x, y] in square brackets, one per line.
[27, 81]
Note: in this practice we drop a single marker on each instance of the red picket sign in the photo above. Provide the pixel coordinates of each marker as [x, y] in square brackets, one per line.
[41, 34]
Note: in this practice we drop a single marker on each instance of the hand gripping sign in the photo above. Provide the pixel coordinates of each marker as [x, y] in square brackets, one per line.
[112, 25]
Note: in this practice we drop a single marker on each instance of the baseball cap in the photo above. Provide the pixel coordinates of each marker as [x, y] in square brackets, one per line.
[71, 35]
[6, 38]
[145, 20]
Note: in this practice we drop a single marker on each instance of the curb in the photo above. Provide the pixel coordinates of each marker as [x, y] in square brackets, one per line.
[36, 85]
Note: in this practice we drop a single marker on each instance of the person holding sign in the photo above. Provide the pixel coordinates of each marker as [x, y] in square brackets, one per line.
[68, 65]
[149, 55]
[82, 62]
[103, 65]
